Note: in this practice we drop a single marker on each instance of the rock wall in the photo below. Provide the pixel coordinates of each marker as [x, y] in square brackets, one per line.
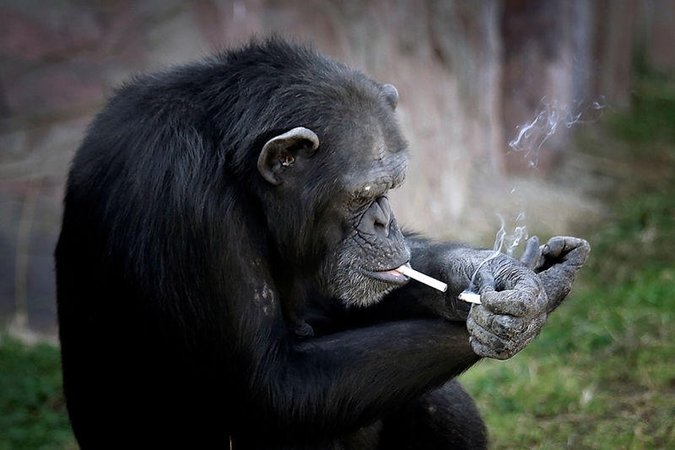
[469, 74]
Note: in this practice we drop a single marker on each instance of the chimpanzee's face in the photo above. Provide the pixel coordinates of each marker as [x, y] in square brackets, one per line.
[335, 184]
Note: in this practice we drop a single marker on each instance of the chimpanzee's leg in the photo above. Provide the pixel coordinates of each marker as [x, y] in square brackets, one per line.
[443, 419]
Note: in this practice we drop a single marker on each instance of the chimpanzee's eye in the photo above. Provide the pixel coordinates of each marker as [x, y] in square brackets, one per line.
[359, 203]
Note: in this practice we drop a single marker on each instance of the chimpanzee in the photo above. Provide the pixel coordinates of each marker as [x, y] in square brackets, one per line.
[226, 269]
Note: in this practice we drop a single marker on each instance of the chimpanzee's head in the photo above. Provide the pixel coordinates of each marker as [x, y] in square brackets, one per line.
[328, 165]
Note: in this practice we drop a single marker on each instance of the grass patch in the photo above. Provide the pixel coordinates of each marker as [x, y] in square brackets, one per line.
[601, 374]
[33, 412]
[652, 114]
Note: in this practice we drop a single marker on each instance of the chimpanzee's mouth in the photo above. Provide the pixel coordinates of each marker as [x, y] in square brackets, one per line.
[389, 276]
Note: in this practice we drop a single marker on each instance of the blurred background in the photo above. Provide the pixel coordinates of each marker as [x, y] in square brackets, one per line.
[537, 117]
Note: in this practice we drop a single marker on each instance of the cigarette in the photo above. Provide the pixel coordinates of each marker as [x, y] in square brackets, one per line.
[419, 276]
[469, 297]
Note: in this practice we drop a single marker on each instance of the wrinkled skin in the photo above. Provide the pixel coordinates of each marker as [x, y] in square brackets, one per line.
[516, 296]
[515, 304]
[226, 270]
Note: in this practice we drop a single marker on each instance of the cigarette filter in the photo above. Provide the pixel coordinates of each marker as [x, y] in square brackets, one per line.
[469, 297]
[422, 278]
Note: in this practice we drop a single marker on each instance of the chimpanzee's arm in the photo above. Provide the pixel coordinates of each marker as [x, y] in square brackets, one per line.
[431, 338]
[339, 382]
[528, 289]
[556, 263]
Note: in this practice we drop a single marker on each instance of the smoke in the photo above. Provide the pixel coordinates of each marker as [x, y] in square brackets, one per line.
[530, 137]
[508, 242]
[504, 243]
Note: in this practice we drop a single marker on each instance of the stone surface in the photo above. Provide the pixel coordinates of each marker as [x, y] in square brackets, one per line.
[469, 73]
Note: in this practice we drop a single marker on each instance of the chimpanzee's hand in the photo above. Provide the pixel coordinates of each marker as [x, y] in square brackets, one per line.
[557, 263]
[513, 305]
[516, 295]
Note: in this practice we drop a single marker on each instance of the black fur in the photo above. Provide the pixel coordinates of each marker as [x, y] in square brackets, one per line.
[198, 304]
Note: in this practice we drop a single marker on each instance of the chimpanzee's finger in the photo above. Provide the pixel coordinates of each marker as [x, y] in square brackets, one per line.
[565, 248]
[483, 280]
[562, 259]
[486, 351]
[487, 344]
[504, 326]
[511, 302]
[530, 257]
[484, 343]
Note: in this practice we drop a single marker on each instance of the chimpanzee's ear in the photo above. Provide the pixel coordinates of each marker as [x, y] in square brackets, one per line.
[280, 152]
[391, 94]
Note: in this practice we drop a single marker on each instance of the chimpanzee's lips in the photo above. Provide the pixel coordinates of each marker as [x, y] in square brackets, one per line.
[389, 276]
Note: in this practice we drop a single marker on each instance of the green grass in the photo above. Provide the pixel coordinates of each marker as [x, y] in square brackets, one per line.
[32, 407]
[602, 373]
[600, 376]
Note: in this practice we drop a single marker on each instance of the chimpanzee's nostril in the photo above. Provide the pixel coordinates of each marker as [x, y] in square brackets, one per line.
[377, 220]
[382, 217]
[382, 229]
